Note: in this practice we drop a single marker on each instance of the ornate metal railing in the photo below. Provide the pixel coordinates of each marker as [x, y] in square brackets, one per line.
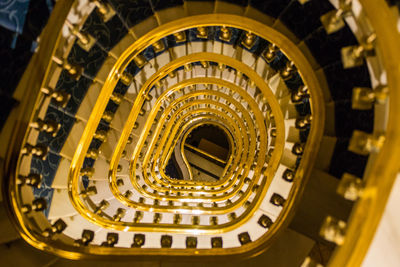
[145, 96]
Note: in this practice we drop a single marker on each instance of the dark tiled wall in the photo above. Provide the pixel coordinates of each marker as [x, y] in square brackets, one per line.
[18, 35]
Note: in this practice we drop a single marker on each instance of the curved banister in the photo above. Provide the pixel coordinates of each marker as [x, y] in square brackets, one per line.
[253, 78]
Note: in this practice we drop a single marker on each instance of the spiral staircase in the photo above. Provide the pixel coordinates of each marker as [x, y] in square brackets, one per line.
[259, 132]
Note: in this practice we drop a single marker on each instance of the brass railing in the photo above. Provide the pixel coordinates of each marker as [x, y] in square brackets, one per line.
[95, 214]
[367, 211]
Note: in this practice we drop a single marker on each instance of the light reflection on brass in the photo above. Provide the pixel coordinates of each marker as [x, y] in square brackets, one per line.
[166, 241]
[158, 46]
[191, 242]
[248, 40]
[270, 53]
[225, 34]
[246, 204]
[116, 98]
[264, 221]
[363, 143]
[333, 230]
[140, 61]
[87, 237]
[92, 153]
[365, 98]
[100, 135]
[195, 220]
[108, 116]
[301, 93]
[56, 228]
[180, 37]
[303, 123]
[138, 240]
[353, 56]
[288, 175]
[213, 220]
[90, 191]
[85, 41]
[177, 218]
[32, 179]
[104, 204]
[202, 32]
[112, 239]
[73, 70]
[350, 187]
[38, 150]
[333, 21]
[277, 200]
[138, 216]
[48, 126]
[119, 214]
[216, 242]
[232, 216]
[89, 171]
[125, 77]
[60, 97]
[38, 204]
[298, 149]
[244, 238]
[288, 71]
[128, 194]
[105, 11]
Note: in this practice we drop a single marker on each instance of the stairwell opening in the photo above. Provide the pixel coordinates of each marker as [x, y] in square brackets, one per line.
[205, 150]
